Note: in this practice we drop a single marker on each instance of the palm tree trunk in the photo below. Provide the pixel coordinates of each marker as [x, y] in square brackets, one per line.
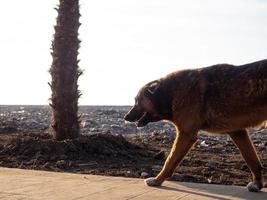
[65, 72]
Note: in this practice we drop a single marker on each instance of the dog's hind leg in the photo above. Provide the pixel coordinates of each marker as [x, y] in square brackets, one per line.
[247, 149]
[181, 146]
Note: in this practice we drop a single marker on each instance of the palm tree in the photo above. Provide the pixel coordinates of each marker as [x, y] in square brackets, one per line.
[65, 72]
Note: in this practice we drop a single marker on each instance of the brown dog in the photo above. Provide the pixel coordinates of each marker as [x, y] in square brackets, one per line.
[222, 99]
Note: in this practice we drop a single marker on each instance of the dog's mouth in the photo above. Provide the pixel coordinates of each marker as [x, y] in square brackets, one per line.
[140, 117]
[147, 118]
[144, 120]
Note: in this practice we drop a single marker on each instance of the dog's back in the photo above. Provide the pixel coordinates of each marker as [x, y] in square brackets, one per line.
[225, 97]
[236, 96]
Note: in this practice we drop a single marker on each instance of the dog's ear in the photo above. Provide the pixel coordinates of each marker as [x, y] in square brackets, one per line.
[153, 87]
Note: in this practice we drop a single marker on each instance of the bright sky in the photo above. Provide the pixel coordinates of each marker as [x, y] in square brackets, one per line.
[126, 43]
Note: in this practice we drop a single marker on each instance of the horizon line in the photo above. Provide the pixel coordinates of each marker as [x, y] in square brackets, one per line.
[49, 106]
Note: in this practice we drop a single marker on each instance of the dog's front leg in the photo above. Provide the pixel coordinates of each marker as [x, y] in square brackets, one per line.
[247, 149]
[182, 144]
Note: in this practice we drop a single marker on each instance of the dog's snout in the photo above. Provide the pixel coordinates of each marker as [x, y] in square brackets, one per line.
[134, 114]
[129, 117]
[126, 117]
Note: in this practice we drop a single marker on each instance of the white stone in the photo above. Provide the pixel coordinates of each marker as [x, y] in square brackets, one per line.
[144, 175]
[203, 144]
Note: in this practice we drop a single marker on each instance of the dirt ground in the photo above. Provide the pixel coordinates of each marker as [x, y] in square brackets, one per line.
[211, 161]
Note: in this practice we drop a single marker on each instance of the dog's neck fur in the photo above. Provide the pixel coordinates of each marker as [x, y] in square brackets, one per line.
[163, 98]
[170, 86]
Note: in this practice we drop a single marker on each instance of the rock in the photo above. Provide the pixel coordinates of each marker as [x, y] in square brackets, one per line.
[261, 145]
[121, 120]
[115, 126]
[140, 128]
[61, 163]
[87, 123]
[145, 140]
[105, 126]
[203, 144]
[93, 129]
[84, 124]
[144, 175]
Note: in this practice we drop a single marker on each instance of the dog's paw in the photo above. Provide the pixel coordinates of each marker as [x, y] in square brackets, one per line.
[152, 182]
[253, 187]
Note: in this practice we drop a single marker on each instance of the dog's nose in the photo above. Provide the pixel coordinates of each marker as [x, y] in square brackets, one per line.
[126, 117]
[129, 117]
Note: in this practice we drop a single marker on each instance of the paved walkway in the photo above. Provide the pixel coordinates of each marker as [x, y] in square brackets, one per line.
[27, 184]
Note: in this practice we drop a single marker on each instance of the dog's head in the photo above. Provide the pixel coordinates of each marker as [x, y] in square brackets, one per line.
[147, 105]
